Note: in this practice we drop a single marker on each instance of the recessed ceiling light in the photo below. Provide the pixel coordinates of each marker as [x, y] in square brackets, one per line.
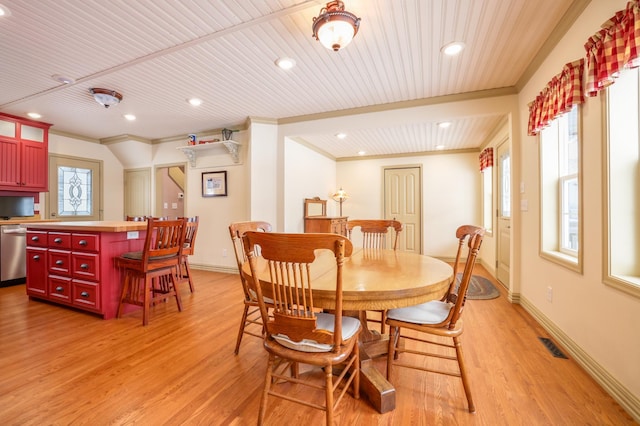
[453, 49]
[444, 124]
[195, 101]
[63, 79]
[439, 147]
[4, 11]
[129, 117]
[341, 135]
[362, 152]
[34, 115]
[285, 63]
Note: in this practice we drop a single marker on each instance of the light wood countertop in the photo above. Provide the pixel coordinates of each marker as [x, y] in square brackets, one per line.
[91, 226]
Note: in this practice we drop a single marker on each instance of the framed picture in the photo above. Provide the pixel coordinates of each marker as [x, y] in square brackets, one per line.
[214, 184]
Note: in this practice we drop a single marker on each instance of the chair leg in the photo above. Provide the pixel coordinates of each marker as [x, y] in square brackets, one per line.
[328, 380]
[463, 374]
[356, 371]
[187, 269]
[394, 332]
[125, 289]
[147, 300]
[174, 283]
[383, 319]
[243, 322]
[265, 391]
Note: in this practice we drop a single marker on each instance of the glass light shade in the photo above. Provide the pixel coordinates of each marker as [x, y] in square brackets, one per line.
[336, 34]
[335, 27]
[106, 97]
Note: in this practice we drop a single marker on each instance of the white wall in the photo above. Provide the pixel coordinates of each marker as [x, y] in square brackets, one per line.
[599, 322]
[307, 175]
[450, 194]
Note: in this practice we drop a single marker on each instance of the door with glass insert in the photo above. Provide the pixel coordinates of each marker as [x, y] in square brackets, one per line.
[74, 189]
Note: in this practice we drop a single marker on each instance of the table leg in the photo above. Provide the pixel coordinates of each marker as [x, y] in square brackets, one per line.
[379, 391]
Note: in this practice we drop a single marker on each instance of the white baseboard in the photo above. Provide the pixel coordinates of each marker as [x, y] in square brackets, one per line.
[629, 402]
[223, 269]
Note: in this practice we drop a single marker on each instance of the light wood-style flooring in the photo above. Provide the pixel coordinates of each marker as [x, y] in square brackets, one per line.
[63, 367]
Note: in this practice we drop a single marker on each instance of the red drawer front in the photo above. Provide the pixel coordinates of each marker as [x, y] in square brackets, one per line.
[85, 266]
[59, 262]
[60, 289]
[37, 238]
[59, 240]
[37, 271]
[86, 294]
[85, 242]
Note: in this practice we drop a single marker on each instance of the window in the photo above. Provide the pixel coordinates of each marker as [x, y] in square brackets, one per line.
[560, 191]
[622, 184]
[74, 192]
[487, 199]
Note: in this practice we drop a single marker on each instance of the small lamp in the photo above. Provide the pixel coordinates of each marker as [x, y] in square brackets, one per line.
[334, 27]
[340, 196]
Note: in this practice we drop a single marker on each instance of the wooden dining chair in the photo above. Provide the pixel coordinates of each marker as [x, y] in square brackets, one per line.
[188, 249]
[297, 331]
[375, 232]
[439, 318]
[251, 315]
[374, 236]
[151, 274]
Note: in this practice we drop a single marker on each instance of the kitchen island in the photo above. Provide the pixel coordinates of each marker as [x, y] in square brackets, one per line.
[72, 263]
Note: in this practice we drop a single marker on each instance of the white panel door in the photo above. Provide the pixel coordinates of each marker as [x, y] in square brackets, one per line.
[403, 202]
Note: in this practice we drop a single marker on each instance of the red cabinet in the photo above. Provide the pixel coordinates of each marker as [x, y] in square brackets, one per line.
[24, 150]
[77, 268]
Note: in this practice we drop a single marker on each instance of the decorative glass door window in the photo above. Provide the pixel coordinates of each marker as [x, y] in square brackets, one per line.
[74, 191]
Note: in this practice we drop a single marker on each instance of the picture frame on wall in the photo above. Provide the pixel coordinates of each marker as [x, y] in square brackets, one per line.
[214, 184]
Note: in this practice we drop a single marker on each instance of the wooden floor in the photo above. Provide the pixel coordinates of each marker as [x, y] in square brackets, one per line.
[60, 367]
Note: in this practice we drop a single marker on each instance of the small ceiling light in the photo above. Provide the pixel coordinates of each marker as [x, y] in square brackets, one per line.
[63, 79]
[335, 27]
[129, 117]
[105, 97]
[34, 115]
[341, 135]
[4, 11]
[195, 101]
[285, 63]
[444, 124]
[452, 49]
[362, 152]
[439, 147]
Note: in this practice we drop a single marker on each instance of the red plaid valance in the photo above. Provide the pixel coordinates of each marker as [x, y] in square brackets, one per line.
[613, 48]
[486, 158]
[559, 96]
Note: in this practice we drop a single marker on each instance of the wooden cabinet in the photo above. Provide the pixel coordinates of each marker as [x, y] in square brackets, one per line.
[77, 268]
[334, 225]
[24, 150]
[316, 219]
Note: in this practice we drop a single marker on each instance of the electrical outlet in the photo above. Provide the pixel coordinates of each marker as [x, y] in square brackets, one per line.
[224, 252]
[549, 294]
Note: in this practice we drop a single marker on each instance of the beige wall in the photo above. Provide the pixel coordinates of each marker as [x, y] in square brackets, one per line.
[600, 323]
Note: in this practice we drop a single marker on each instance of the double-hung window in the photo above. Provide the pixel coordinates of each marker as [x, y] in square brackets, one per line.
[560, 191]
[622, 184]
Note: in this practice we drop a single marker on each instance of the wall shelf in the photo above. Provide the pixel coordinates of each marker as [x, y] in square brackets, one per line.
[191, 151]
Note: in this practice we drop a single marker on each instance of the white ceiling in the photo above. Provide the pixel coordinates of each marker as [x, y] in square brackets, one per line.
[159, 53]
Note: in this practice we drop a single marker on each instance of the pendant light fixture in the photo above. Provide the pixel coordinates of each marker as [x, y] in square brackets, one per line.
[335, 27]
[106, 97]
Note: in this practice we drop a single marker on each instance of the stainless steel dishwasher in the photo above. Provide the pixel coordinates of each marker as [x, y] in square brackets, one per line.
[13, 255]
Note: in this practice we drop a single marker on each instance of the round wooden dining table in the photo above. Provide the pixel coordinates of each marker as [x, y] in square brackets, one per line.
[373, 280]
